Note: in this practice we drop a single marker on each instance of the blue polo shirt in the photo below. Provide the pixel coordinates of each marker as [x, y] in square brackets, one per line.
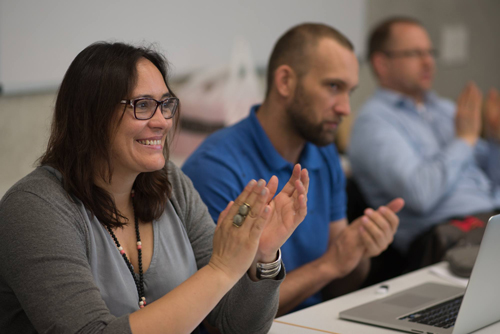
[228, 159]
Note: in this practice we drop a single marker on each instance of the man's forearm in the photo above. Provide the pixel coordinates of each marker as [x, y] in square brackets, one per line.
[348, 283]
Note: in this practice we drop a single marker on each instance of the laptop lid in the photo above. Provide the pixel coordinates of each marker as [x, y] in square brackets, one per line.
[480, 306]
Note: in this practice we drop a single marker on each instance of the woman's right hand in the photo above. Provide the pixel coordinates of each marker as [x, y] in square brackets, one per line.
[234, 248]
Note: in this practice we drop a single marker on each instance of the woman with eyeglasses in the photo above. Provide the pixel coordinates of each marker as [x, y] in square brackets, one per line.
[108, 236]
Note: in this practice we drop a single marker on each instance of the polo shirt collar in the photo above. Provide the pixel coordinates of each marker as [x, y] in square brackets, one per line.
[310, 157]
[399, 100]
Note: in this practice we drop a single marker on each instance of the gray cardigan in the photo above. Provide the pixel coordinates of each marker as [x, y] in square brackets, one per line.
[46, 282]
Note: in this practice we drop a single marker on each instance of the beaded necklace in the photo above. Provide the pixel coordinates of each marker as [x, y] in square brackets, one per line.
[139, 283]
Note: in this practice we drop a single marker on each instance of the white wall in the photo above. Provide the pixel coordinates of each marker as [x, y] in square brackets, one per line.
[39, 38]
[479, 18]
[25, 119]
[24, 130]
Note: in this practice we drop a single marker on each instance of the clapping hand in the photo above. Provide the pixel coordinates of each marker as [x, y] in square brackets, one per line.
[266, 225]
[468, 115]
[492, 115]
[236, 241]
[289, 209]
[367, 236]
[377, 227]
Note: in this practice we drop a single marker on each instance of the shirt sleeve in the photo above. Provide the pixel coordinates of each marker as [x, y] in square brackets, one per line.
[381, 151]
[43, 262]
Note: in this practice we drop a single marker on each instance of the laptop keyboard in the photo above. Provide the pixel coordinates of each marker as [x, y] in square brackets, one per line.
[441, 315]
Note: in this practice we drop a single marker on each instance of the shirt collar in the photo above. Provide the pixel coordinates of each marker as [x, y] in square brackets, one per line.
[399, 100]
[309, 158]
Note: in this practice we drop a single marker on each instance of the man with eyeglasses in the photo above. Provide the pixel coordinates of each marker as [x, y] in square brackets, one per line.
[409, 142]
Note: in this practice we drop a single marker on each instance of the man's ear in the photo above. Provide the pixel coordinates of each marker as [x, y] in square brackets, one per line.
[379, 64]
[285, 80]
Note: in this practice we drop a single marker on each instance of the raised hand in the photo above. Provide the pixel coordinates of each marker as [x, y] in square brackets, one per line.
[492, 115]
[468, 115]
[289, 209]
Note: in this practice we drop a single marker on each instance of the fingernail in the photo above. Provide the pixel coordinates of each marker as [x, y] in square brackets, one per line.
[261, 183]
[368, 211]
[266, 209]
[263, 192]
[251, 183]
[382, 209]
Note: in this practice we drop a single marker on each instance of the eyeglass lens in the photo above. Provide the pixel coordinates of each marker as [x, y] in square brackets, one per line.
[145, 108]
[417, 53]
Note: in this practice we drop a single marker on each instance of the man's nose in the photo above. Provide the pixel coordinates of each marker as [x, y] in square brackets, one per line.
[343, 105]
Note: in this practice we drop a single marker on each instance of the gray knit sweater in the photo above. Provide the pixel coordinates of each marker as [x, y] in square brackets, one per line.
[46, 273]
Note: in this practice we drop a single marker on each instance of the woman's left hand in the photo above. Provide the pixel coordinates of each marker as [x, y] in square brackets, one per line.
[289, 209]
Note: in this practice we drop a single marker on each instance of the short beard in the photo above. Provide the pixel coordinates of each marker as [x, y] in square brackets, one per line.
[298, 113]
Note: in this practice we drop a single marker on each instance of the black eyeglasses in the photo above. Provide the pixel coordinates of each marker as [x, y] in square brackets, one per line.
[145, 107]
[416, 53]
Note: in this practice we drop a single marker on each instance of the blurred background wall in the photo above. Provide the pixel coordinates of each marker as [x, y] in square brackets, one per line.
[465, 33]
[32, 59]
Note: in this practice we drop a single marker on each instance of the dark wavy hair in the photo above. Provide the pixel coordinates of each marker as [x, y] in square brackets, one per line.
[82, 129]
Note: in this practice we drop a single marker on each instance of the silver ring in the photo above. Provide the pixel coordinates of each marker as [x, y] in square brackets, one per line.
[243, 212]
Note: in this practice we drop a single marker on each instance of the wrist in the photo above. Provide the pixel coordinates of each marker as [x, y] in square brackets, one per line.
[470, 140]
[225, 276]
[326, 266]
[268, 257]
[269, 270]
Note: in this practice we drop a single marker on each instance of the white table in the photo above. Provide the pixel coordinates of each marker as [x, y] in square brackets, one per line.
[324, 317]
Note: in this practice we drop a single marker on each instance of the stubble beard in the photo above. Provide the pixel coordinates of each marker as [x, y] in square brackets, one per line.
[298, 112]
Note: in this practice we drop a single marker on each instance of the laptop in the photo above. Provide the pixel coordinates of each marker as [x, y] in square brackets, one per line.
[433, 308]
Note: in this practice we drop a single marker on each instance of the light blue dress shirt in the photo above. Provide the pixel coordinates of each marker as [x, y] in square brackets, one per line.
[399, 149]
